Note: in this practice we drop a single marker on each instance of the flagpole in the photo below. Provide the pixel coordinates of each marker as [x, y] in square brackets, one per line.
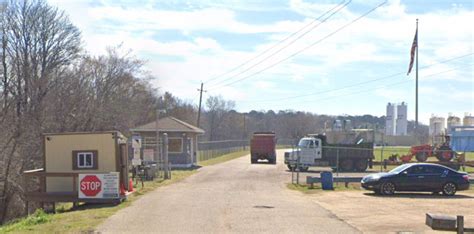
[416, 92]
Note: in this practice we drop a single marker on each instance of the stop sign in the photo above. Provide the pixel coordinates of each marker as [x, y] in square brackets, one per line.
[90, 185]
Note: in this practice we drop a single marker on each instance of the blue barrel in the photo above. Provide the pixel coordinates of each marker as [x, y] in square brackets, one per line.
[326, 180]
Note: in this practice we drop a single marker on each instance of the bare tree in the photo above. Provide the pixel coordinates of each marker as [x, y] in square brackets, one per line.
[38, 44]
[217, 111]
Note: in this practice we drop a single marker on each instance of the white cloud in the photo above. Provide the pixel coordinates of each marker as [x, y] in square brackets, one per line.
[383, 39]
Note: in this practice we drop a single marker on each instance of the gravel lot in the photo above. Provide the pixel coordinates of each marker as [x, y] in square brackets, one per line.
[398, 213]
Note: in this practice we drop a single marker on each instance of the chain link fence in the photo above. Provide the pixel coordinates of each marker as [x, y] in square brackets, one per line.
[213, 149]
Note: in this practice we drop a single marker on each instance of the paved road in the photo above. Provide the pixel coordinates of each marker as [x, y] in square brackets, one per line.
[232, 197]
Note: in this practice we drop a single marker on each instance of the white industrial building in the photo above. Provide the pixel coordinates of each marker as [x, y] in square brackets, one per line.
[396, 119]
[436, 125]
[401, 122]
[468, 120]
[453, 121]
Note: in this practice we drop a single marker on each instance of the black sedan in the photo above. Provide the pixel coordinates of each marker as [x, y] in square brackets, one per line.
[423, 177]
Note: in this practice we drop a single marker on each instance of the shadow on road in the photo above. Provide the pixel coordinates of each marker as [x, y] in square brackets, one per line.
[420, 196]
[264, 163]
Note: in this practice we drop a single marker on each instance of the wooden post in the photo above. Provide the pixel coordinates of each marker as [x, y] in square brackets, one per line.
[74, 184]
[165, 156]
[460, 224]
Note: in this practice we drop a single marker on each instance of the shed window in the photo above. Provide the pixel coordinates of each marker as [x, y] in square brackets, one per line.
[84, 160]
[175, 145]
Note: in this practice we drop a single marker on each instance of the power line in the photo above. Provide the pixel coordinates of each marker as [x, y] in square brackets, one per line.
[369, 81]
[305, 48]
[284, 47]
[376, 88]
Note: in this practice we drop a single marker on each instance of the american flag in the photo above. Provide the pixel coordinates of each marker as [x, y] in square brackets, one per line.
[412, 53]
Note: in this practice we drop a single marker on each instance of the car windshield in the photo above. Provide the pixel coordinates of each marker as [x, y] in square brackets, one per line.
[399, 169]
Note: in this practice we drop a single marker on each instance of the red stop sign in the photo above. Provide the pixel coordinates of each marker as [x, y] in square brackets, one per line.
[90, 185]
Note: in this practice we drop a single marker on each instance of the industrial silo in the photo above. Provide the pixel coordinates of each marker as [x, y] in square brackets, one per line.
[436, 125]
[452, 122]
[390, 127]
[468, 120]
[401, 122]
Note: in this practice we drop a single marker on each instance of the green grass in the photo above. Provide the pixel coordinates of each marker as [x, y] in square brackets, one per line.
[306, 189]
[86, 216]
[224, 158]
[388, 151]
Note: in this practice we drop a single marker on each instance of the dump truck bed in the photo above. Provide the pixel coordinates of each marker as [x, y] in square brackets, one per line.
[263, 146]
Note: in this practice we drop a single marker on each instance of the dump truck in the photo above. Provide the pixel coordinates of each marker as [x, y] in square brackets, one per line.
[263, 146]
[314, 150]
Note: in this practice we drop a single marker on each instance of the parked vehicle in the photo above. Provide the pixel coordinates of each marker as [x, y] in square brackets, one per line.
[263, 146]
[425, 177]
[315, 151]
[442, 152]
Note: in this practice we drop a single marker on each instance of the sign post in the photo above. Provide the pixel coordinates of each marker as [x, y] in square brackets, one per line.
[136, 145]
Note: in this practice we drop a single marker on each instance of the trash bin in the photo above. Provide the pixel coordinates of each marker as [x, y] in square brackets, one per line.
[326, 180]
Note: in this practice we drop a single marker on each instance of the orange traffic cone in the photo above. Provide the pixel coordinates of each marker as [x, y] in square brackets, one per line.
[122, 189]
[130, 185]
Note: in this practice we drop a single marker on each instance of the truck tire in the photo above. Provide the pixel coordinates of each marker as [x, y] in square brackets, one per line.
[290, 167]
[303, 169]
[272, 161]
[253, 160]
[444, 154]
[347, 165]
[361, 165]
[421, 156]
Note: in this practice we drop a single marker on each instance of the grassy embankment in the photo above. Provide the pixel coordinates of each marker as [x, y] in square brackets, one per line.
[86, 217]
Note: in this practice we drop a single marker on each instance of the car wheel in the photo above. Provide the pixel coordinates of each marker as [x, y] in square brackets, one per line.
[387, 188]
[449, 189]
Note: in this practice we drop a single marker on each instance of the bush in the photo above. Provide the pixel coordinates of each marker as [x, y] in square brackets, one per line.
[37, 218]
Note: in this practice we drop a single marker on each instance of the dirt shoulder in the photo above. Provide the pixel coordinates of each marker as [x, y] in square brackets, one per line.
[399, 213]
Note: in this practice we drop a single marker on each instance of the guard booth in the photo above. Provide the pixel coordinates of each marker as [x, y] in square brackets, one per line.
[81, 167]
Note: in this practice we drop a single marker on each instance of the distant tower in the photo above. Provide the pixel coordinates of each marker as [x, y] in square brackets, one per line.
[452, 121]
[436, 126]
[337, 125]
[401, 122]
[468, 120]
[390, 128]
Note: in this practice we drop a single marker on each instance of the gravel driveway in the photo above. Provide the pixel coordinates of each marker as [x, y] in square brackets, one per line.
[232, 197]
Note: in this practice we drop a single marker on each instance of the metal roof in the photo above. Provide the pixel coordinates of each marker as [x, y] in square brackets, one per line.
[168, 124]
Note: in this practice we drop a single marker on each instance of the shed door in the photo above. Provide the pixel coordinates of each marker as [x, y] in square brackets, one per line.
[124, 165]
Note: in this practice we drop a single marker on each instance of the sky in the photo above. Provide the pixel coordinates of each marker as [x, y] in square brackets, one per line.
[303, 55]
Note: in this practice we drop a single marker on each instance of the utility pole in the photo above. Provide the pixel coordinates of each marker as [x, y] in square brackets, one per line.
[245, 129]
[200, 101]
